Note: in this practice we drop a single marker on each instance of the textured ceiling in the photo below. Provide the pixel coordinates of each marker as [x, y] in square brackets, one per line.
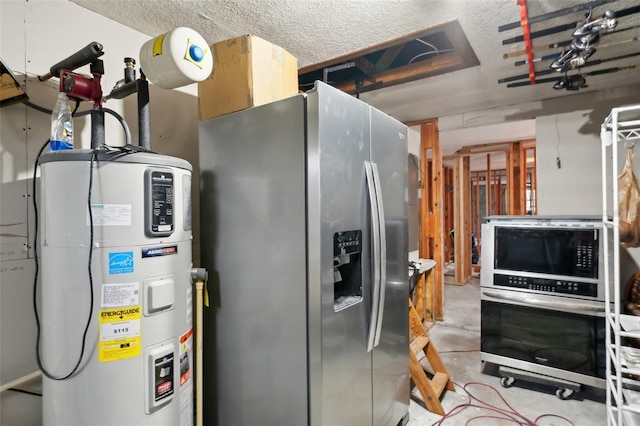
[318, 30]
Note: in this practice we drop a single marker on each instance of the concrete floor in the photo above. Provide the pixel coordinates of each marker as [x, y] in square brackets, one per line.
[457, 339]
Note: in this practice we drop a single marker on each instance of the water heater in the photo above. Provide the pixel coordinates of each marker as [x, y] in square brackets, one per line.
[115, 291]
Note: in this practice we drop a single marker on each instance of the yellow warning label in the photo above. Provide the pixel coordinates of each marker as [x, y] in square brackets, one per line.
[120, 336]
[157, 45]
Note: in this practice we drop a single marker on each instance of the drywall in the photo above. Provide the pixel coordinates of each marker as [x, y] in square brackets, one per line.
[569, 158]
[568, 165]
[573, 186]
[34, 35]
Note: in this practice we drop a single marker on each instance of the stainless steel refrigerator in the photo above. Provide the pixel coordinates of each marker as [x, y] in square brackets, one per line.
[303, 222]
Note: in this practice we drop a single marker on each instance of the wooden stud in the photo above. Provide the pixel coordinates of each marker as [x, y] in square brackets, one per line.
[523, 177]
[424, 249]
[432, 211]
[497, 187]
[483, 148]
[446, 62]
[477, 204]
[388, 57]
[534, 183]
[462, 219]
[448, 207]
[514, 179]
[365, 65]
[488, 185]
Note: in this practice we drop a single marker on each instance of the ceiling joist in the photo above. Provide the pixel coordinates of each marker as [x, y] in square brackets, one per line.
[440, 49]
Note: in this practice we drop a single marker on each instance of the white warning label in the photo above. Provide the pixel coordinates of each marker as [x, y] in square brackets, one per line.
[110, 215]
[120, 294]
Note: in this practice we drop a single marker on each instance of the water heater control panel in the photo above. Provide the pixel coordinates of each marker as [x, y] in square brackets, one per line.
[160, 375]
[159, 205]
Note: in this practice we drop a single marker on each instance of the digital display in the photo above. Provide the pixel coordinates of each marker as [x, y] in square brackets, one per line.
[159, 204]
[570, 252]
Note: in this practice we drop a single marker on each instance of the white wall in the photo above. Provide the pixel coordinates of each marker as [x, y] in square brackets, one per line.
[569, 130]
[34, 35]
[568, 165]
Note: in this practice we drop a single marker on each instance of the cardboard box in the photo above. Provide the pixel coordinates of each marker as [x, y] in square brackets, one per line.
[247, 71]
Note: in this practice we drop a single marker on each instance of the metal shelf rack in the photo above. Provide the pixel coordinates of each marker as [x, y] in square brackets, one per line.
[622, 358]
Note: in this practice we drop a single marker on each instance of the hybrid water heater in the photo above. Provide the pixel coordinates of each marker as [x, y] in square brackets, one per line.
[116, 294]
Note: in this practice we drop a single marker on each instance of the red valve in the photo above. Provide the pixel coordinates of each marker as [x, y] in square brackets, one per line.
[80, 87]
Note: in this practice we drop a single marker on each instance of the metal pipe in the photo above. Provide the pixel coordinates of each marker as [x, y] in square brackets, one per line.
[199, 276]
[21, 380]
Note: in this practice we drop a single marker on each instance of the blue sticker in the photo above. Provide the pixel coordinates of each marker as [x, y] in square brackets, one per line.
[121, 262]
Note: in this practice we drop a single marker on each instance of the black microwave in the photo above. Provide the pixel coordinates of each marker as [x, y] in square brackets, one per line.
[563, 256]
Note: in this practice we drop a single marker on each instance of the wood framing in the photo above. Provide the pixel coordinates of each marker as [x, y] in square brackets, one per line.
[497, 192]
[396, 61]
[478, 178]
[515, 184]
[448, 208]
[520, 194]
[435, 216]
[489, 186]
[462, 219]
[525, 178]
[516, 172]
[423, 292]
[431, 212]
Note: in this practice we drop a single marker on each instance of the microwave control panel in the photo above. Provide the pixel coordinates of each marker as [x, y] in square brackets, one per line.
[586, 258]
[547, 285]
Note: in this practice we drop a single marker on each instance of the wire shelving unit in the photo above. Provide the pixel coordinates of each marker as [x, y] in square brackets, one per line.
[620, 128]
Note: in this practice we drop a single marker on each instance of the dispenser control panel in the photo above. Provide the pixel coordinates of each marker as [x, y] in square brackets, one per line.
[347, 269]
[347, 242]
[159, 202]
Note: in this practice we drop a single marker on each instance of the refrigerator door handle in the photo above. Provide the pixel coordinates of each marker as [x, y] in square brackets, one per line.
[375, 238]
[382, 259]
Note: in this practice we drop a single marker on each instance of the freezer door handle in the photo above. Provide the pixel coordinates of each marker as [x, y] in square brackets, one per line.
[375, 238]
[382, 259]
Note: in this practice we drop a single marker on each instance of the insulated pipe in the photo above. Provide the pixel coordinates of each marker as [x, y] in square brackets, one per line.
[19, 381]
[123, 91]
[84, 56]
[144, 126]
[97, 128]
[199, 277]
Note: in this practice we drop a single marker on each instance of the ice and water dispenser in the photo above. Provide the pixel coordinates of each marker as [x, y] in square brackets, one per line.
[347, 269]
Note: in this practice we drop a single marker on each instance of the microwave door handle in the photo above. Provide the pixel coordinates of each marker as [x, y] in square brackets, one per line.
[382, 259]
[375, 238]
[574, 306]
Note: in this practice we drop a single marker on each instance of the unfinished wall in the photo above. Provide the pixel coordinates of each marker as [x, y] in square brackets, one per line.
[34, 35]
[413, 145]
[569, 156]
